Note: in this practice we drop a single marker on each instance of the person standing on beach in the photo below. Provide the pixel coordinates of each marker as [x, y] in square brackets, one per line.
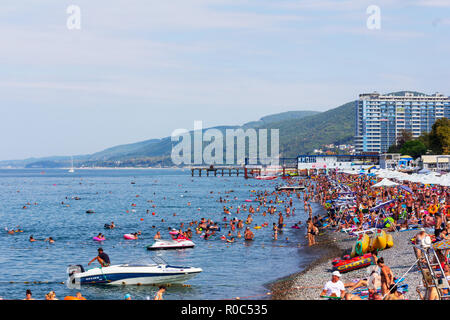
[312, 231]
[387, 277]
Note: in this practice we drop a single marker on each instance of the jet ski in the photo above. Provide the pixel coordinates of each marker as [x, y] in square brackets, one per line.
[130, 274]
[161, 244]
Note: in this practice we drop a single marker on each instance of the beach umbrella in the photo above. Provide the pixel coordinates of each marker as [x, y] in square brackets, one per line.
[442, 245]
[382, 205]
[385, 183]
[406, 188]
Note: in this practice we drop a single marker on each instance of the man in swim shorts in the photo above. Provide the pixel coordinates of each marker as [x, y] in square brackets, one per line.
[102, 258]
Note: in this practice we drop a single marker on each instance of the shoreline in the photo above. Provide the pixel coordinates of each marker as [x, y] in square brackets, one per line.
[285, 287]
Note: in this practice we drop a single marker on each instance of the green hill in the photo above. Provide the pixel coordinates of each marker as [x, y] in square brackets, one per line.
[302, 136]
[300, 133]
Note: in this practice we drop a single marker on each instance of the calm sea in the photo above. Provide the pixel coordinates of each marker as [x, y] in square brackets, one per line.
[232, 270]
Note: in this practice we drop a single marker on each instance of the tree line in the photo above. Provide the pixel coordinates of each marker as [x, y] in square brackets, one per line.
[437, 141]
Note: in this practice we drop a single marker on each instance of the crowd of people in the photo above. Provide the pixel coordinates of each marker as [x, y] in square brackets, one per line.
[354, 205]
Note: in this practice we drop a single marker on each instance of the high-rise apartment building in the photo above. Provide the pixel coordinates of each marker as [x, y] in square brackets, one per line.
[381, 118]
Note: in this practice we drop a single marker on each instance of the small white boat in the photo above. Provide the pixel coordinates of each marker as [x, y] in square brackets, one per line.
[161, 244]
[289, 188]
[131, 274]
[71, 170]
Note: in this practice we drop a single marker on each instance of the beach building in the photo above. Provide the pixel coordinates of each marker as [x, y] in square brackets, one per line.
[395, 161]
[381, 118]
[435, 162]
[338, 161]
[389, 160]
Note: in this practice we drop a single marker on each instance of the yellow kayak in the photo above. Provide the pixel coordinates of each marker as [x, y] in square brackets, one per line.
[361, 246]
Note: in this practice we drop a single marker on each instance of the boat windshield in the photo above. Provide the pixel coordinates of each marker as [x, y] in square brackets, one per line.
[156, 259]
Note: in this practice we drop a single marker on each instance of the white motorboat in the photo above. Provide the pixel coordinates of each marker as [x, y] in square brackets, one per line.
[289, 188]
[161, 244]
[71, 170]
[131, 274]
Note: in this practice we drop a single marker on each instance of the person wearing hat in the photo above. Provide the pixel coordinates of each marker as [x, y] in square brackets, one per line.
[335, 287]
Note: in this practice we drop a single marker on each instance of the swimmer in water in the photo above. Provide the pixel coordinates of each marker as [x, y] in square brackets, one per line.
[248, 235]
[32, 239]
[50, 240]
[230, 240]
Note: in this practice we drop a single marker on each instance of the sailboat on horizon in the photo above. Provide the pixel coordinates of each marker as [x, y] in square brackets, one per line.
[71, 170]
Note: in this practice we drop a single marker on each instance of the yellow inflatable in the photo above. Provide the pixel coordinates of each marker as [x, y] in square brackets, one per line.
[378, 240]
[389, 241]
[361, 246]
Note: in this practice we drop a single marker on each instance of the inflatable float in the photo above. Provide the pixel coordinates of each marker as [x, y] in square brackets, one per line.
[99, 239]
[73, 298]
[378, 240]
[129, 236]
[361, 246]
[353, 264]
[389, 241]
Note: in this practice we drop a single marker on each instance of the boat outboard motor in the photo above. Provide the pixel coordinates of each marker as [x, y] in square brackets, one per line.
[71, 282]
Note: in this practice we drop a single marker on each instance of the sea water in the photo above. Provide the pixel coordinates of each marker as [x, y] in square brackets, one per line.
[241, 269]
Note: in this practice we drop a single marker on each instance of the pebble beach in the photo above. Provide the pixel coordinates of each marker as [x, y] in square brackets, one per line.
[308, 284]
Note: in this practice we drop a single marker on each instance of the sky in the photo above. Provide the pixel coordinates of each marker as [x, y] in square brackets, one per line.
[139, 69]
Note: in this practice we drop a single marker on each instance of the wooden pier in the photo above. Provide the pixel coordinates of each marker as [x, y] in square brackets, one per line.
[249, 172]
[225, 170]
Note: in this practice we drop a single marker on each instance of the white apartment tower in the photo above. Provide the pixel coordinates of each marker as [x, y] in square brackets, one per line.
[381, 118]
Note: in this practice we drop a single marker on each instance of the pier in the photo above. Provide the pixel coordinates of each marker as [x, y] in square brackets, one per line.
[222, 170]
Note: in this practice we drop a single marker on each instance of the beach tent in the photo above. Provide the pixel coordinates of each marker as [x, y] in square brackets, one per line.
[385, 183]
